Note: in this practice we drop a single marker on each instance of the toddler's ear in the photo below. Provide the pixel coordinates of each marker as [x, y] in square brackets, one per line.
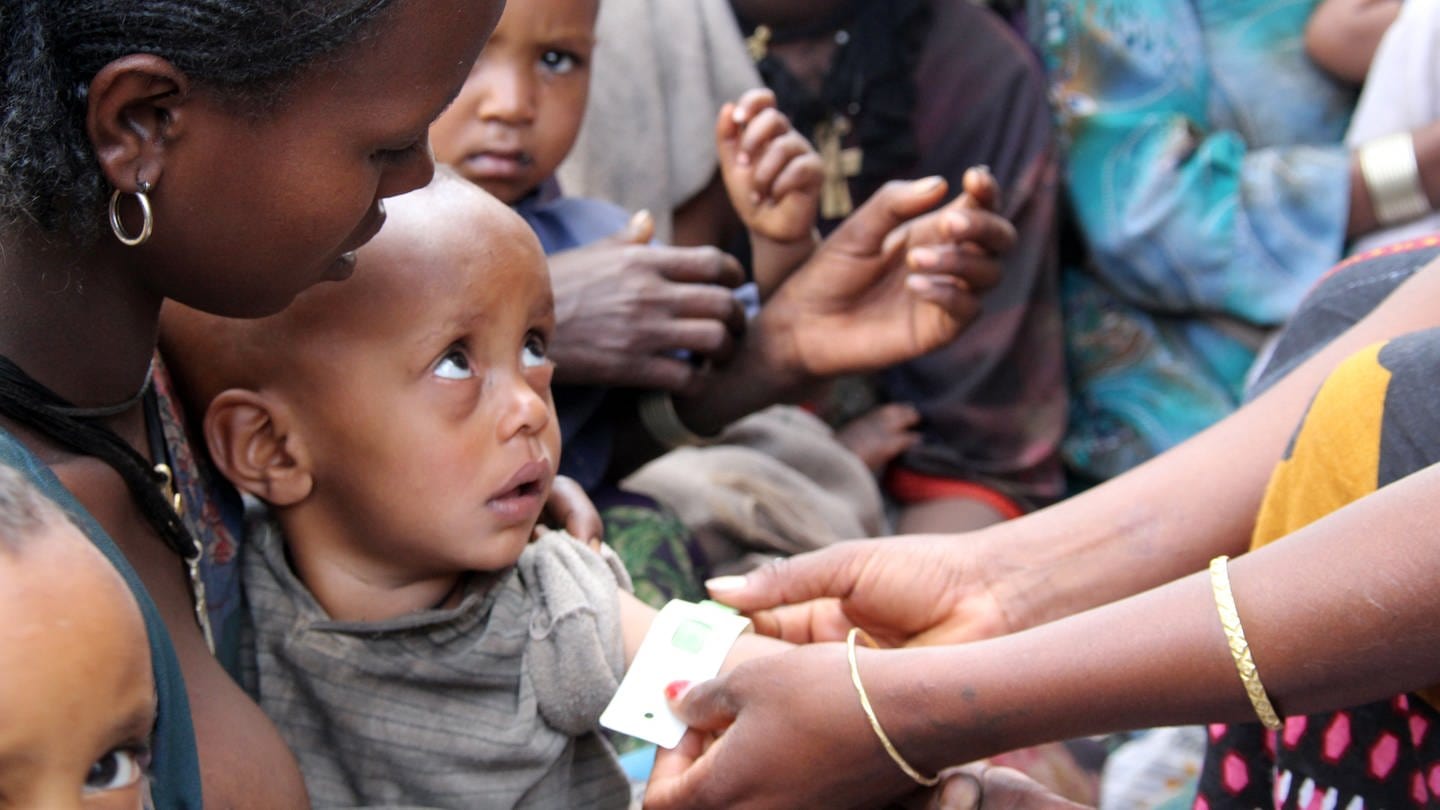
[252, 445]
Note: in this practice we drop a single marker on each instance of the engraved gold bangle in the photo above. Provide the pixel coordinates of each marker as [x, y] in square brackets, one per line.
[1239, 648]
[927, 781]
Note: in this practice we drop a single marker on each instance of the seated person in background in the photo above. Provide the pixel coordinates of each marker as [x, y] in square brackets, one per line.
[1342, 36]
[76, 691]
[984, 457]
[913, 88]
[513, 123]
[413, 644]
[1397, 117]
[1211, 188]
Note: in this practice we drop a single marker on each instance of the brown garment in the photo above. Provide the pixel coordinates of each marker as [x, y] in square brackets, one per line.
[777, 482]
[492, 704]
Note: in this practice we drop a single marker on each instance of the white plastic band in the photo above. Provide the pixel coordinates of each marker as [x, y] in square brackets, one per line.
[686, 642]
[1392, 176]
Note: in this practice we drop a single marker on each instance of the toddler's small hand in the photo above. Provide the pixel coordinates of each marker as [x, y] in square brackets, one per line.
[772, 174]
[571, 509]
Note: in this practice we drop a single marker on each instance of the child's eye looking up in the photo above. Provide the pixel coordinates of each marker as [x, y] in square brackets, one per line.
[534, 352]
[454, 366]
[118, 768]
[560, 62]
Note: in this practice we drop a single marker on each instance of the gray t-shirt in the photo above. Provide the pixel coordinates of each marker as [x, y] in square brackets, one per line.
[491, 704]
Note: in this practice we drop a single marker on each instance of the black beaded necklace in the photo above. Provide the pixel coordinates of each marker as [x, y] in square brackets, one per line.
[151, 486]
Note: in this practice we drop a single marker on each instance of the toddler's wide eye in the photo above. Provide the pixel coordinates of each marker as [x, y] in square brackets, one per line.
[559, 62]
[534, 352]
[118, 768]
[454, 366]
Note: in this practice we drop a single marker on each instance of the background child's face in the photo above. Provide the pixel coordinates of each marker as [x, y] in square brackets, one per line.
[520, 110]
[426, 418]
[77, 697]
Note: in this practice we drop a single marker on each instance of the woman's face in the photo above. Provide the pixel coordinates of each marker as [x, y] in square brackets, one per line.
[250, 211]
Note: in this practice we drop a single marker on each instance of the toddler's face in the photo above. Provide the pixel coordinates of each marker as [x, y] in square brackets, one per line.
[427, 423]
[520, 110]
[77, 697]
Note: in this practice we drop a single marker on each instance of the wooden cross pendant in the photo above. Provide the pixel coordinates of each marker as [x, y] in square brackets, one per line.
[840, 165]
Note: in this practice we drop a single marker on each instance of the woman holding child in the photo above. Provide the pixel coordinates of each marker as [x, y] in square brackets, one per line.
[244, 149]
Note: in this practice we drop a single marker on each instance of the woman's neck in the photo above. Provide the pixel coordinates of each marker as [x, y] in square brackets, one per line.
[78, 322]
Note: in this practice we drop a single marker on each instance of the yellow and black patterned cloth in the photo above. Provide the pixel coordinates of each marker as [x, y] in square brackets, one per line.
[1375, 420]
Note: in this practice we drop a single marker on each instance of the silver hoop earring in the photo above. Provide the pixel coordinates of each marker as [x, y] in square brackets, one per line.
[147, 217]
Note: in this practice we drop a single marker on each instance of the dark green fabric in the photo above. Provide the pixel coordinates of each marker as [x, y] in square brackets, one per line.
[658, 553]
[175, 763]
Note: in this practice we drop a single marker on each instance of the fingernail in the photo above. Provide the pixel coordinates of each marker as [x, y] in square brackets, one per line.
[919, 283]
[676, 690]
[923, 258]
[960, 792]
[639, 218]
[928, 184]
[737, 115]
[722, 584]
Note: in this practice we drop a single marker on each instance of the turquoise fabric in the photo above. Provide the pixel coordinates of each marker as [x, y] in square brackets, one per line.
[1207, 175]
[175, 763]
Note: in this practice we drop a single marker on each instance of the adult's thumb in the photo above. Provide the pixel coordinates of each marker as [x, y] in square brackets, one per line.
[705, 706]
[897, 202]
[638, 231]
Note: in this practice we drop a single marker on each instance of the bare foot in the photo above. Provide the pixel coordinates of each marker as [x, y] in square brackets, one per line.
[879, 436]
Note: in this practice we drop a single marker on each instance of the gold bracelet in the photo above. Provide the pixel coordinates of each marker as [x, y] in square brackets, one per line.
[1239, 648]
[1392, 178]
[927, 781]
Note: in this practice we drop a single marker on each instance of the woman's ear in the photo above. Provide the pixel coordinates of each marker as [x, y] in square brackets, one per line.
[252, 445]
[133, 106]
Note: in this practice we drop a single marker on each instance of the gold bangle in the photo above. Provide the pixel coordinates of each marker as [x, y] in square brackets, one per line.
[1239, 648]
[1392, 178]
[657, 414]
[927, 781]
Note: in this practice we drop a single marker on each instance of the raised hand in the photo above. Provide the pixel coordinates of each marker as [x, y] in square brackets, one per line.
[773, 177]
[890, 284]
[624, 308]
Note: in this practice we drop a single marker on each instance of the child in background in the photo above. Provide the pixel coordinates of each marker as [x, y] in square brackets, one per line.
[76, 691]
[413, 645]
[518, 115]
[793, 484]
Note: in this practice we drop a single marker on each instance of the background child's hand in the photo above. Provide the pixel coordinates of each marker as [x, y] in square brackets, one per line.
[771, 172]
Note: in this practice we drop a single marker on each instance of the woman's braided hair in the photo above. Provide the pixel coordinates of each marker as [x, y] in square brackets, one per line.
[51, 49]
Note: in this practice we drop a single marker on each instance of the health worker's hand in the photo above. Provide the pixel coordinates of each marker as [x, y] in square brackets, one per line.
[905, 591]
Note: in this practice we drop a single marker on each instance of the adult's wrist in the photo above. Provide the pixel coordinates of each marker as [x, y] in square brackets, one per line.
[808, 241]
[936, 703]
[763, 372]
